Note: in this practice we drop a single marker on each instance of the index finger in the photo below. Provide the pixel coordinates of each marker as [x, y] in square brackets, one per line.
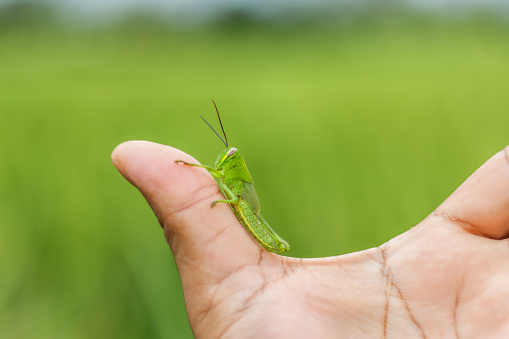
[481, 203]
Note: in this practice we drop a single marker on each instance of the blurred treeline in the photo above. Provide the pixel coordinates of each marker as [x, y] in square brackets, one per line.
[354, 131]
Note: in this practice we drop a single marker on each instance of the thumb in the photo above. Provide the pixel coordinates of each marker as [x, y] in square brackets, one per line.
[481, 203]
[207, 243]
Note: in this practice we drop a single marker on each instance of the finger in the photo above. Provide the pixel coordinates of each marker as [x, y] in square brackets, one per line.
[204, 238]
[481, 203]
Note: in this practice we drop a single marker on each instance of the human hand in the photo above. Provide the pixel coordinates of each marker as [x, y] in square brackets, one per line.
[447, 277]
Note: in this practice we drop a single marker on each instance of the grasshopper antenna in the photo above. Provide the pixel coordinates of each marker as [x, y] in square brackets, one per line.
[212, 128]
[217, 111]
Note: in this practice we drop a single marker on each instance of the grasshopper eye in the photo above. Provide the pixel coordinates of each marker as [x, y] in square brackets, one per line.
[231, 152]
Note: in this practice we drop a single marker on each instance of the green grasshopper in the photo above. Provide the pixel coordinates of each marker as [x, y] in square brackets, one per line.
[237, 187]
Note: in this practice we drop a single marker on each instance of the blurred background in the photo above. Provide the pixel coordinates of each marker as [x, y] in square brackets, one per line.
[356, 119]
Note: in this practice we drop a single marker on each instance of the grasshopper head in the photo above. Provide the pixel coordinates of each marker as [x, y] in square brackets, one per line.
[226, 157]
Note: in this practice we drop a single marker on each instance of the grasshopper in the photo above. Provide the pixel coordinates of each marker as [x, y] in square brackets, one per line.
[237, 186]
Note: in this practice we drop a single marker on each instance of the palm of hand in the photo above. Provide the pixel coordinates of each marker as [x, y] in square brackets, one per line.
[446, 277]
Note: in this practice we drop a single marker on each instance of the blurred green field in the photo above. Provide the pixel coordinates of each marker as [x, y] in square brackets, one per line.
[352, 136]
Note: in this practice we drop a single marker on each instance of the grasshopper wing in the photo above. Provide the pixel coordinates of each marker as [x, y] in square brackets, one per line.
[249, 195]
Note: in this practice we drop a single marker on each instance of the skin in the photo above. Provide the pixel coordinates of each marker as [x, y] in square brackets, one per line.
[447, 277]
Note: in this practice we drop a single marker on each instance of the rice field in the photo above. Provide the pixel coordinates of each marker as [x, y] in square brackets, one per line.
[352, 135]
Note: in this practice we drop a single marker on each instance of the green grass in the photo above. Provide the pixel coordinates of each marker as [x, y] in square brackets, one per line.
[352, 136]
